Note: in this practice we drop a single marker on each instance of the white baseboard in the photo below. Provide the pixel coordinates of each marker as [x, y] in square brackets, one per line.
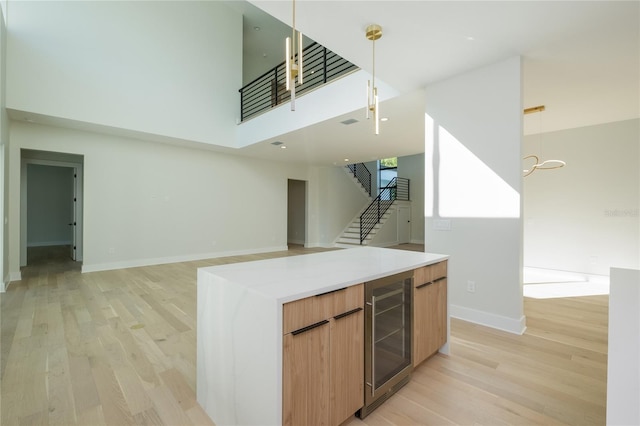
[318, 245]
[417, 242]
[174, 259]
[511, 325]
[12, 276]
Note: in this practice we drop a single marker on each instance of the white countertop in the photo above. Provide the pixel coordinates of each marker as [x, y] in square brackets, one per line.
[290, 278]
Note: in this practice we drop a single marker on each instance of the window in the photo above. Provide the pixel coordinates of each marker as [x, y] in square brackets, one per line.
[387, 170]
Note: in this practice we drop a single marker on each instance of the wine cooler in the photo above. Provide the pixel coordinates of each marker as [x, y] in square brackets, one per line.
[388, 313]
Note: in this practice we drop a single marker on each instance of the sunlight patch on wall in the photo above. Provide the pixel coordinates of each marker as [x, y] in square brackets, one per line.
[467, 187]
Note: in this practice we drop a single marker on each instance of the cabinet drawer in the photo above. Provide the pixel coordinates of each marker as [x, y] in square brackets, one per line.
[304, 312]
[348, 299]
[439, 270]
[311, 310]
[429, 273]
[421, 275]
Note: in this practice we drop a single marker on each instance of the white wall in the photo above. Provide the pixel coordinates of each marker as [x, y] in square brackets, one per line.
[584, 217]
[49, 205]
[148, 203]
[412, 168]
[473, 182]
[335, 201]
[157, 67]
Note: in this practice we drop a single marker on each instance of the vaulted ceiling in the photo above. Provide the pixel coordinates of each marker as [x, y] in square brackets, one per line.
[580, 58]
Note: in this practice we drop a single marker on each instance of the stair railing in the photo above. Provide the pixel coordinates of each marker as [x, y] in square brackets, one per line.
[362, 173]
[397, 189]
[321, 65]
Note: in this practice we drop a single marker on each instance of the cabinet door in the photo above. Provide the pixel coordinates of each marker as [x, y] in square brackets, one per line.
[439, 312]
[305, 380]
[429, 319]
[347, 365]
[422, 294]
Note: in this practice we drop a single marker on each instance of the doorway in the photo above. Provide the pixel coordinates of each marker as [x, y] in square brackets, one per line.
[296, 212]
[51, 220]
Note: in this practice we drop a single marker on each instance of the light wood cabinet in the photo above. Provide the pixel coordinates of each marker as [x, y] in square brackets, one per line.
[305, 379]
[347, 366]
[323, 358]
[429, 310]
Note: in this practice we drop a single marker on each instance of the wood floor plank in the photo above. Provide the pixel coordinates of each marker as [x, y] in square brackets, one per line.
[183, 393]
[167, 407]
[134, 392]
[85, 393]
[114, 406]
[135, 355]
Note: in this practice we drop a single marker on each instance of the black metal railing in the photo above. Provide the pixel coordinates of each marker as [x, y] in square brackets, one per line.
[397, 189]
[267, 91]
[360, 172]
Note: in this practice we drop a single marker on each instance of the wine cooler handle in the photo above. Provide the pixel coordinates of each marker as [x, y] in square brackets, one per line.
[373, 345]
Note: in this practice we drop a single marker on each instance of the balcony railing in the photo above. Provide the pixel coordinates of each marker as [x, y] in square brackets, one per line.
[267, 91]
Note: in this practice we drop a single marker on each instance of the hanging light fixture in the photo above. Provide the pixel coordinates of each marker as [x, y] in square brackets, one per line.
[373, 33]
[537, 165]
[293, 59]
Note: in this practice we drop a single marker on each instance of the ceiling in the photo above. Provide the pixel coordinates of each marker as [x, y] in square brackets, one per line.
[580, 60]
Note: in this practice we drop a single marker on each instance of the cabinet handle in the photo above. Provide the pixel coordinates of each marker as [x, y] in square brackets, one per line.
[424, 285]
[329, 292]
[309, 327]
[439, 279]
[346, 314]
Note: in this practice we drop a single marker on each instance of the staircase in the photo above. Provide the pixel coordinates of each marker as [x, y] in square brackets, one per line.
[364, 227]
[351, 235]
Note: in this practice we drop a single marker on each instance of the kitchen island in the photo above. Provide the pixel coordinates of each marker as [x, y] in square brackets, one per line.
[240, 322]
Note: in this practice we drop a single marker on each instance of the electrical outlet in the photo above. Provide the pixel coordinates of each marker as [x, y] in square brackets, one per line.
[471, 286]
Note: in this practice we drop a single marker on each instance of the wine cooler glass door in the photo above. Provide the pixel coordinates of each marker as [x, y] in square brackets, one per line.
[388, 340]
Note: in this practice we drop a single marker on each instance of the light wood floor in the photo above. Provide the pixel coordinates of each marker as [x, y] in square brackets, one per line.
[119, 348]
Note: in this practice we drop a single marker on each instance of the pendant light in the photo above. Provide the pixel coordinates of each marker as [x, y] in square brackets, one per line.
[373, 33]
[293, 59]
[537, 165]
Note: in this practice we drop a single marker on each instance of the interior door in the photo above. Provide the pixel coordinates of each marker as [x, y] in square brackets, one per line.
[404, 224]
